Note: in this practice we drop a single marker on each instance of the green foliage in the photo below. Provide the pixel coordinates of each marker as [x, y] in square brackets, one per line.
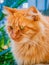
[1, 15]
[7, 59]
[4, 39]
[18, 3]
[14, 3]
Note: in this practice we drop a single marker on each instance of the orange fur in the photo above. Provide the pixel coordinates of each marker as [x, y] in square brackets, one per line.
[29, 31]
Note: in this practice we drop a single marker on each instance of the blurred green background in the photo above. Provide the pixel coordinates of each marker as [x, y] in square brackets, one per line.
[6, 57]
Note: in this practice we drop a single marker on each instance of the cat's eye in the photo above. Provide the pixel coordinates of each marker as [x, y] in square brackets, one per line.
[21, 27]
[11, 27]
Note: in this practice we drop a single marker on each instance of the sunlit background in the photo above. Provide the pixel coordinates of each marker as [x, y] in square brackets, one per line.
[6, 57]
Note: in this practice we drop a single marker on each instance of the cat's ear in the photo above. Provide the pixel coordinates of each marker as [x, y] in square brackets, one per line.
[33, 9]
[9, 10]
[34, 13]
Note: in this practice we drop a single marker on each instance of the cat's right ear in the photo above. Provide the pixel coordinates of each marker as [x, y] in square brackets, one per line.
[8, 10]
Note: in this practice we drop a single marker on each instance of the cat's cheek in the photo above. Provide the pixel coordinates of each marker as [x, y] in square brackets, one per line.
[16, 37]
[13, 36]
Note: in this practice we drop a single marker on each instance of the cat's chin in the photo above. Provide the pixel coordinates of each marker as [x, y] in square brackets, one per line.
[24, 40]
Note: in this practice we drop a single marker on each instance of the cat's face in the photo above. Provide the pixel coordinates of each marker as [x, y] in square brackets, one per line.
[22, 23]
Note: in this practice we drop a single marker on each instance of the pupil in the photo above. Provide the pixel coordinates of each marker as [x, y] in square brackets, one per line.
[11, 27]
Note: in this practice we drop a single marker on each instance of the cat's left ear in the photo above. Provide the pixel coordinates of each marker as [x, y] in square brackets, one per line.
[9, 10]
[33, 9]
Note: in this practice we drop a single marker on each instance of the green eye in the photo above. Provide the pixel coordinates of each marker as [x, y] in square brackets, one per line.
[21, 27]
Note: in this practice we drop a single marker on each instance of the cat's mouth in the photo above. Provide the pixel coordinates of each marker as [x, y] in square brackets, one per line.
[16, 36]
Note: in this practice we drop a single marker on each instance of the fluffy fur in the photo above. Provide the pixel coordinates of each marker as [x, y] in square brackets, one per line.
[29, 33]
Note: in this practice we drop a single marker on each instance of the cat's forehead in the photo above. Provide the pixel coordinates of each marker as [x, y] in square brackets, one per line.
[26, 11]
[22, 11]
[27, 15]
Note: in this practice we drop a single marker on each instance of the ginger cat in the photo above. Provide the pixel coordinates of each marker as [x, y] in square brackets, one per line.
[29, 33]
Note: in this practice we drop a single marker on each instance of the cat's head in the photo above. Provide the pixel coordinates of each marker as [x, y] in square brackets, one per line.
[22, 23]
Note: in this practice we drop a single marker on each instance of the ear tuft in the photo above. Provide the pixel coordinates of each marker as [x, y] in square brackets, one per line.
[9, 10]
